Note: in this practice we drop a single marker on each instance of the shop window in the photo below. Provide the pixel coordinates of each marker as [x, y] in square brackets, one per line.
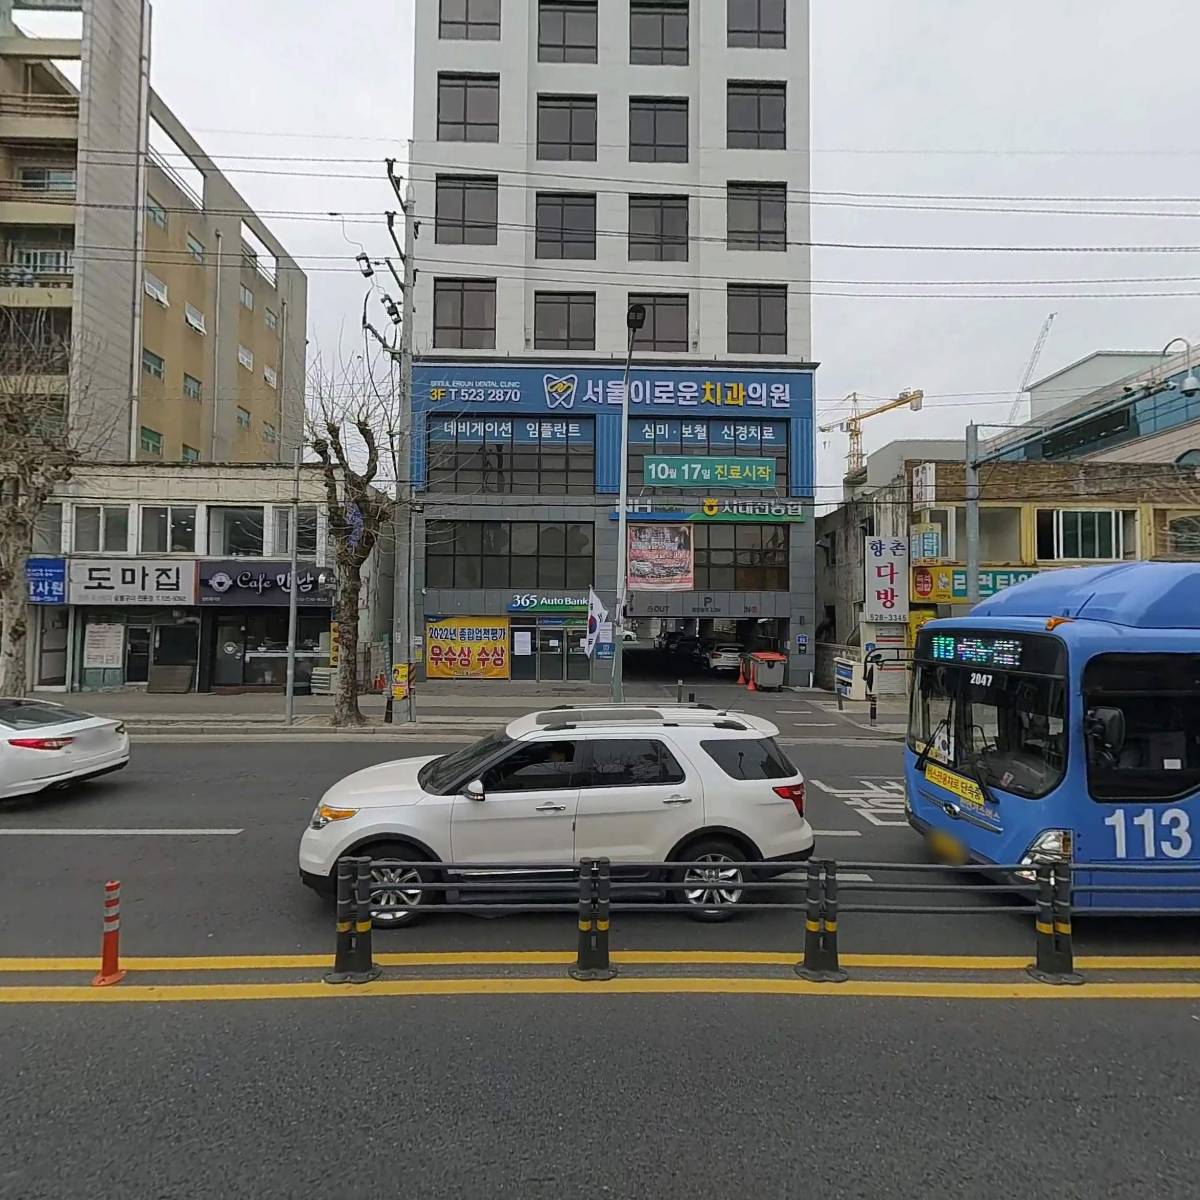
[235, 532]
[1183, 537]
[523, 456]
[306, 540]
[549, 556]
[168, 529]
[101, 529]
[741, 558]
[704, 439]
[47, 530]
[1080, 534]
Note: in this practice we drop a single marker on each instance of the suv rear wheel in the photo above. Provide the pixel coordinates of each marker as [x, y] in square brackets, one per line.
[714, 888]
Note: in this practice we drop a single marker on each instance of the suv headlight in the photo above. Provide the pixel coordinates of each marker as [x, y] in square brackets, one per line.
[324, 813]
[1051, 845]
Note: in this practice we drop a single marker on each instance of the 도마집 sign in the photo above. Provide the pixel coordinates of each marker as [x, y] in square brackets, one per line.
[131, 581]
[46, 580]
[885, 580]
[250, 584]
[948, 584]
[673, 471]
[467, 648]
[660, 558]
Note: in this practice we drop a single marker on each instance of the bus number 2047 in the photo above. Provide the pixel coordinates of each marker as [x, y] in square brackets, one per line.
[1165, 833]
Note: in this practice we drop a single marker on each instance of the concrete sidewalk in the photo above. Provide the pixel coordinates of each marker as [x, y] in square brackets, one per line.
[891, 713]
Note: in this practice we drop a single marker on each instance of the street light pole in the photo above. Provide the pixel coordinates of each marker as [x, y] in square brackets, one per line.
[635, 318]
[971, 479]
[294, 529]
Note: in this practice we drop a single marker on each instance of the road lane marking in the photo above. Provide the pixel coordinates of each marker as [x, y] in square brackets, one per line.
[878, 799]
[811, 724]
[837, 833]
[120, 832]
[620, 986]
[551, 958]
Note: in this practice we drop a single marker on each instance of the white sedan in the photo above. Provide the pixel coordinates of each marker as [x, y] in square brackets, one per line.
[45, 745]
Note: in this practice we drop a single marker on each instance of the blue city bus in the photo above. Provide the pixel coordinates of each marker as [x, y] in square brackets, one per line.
[1061, 718]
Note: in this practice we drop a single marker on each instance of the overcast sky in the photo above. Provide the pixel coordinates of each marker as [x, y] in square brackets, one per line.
[1074, 98]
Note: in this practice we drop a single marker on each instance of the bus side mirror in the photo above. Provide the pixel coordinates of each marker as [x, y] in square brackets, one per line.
[1107, 727]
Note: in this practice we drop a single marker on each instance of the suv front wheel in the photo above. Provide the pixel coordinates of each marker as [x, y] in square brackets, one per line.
[395, 887]
[713, 889]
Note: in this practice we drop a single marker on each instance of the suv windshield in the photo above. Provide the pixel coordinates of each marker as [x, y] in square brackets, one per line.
[439, 776]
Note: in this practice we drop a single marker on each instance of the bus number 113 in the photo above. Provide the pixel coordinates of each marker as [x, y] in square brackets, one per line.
[1174, 823]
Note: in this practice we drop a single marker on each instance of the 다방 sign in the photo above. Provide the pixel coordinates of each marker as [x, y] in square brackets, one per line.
[131, 581]
[467, 648]
[885, 580]
[660, 558]
[253, 583]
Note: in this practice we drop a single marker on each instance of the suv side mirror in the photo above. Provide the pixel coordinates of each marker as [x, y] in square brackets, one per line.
[1107, 727]
[473, 790]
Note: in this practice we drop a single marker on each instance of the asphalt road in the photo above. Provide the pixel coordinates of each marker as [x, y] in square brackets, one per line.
[607, 1097]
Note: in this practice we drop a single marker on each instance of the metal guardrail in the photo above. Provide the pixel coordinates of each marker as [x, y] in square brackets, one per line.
[1045, 891]
[23, 277]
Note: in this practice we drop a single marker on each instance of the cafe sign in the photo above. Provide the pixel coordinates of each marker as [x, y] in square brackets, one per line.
[256, 584]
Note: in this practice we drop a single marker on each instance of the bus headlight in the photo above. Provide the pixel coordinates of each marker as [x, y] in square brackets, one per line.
[1051, 845]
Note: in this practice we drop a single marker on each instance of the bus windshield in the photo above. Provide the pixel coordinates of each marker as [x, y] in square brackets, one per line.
[1006, 728]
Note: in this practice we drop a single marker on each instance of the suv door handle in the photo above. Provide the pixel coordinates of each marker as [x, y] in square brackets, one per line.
[551, 808]
[678, 800]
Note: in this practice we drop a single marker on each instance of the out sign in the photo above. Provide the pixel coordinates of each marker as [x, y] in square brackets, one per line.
[885, 580]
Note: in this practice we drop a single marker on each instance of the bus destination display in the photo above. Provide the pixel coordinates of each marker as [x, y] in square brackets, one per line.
[976, 651]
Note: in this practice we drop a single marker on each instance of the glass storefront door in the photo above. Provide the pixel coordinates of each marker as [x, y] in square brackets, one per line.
[522, 656]
[579, 666]
[552, 653]
[137, 653]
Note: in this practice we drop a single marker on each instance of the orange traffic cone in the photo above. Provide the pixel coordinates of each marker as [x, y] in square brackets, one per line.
[750, 682]
[741, 672]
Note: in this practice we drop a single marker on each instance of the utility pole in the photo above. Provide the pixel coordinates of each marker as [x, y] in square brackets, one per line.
[971, 478]
[293, 540]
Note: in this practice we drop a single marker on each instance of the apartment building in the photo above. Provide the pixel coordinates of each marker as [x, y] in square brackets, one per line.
[185, 316]
[572, 158]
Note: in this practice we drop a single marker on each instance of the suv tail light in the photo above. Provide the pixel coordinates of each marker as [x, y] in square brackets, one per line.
[41, 743]
[795, 793]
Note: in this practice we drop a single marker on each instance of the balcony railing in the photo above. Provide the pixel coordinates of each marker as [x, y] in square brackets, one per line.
[13, 275]
[21, 104]
[17, 189]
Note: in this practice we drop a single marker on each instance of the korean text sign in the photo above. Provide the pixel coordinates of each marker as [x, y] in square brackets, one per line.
[467, 648]
[131, 581]
[661, 559]
[885, 580]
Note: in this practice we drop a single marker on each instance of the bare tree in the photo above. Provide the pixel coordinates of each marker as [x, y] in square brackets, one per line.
[39, 448]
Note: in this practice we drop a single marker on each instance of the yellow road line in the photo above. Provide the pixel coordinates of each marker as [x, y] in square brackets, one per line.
[910, 962]
[880, 989]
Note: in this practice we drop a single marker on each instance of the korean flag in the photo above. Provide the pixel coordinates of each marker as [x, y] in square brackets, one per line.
[597, 615]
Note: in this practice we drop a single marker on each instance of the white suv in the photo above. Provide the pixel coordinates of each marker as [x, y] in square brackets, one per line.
[636, 785]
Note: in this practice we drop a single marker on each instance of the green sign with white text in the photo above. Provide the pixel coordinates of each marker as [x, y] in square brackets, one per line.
[685, 472]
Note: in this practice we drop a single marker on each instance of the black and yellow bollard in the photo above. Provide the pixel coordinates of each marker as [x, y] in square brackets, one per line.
[363, 968]
[1055, 958]
[595, 897]
[344, 954]
[820, 963]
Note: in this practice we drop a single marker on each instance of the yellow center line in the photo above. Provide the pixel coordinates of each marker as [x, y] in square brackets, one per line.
[894, 989]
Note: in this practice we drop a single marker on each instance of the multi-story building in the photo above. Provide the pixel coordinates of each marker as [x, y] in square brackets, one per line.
[572, 158]
[184, 315]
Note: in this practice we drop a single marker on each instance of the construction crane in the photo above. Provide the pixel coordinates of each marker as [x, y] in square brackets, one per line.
[1033, 362]
[852, 424]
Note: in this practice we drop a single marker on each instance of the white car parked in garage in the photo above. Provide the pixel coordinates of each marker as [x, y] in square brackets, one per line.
[45, 745]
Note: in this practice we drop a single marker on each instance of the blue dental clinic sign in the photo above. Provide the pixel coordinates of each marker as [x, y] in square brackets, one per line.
[717, 407]
[47, 580]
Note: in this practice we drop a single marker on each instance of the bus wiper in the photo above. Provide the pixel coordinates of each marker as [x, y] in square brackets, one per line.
[971, 767]
[939, 728]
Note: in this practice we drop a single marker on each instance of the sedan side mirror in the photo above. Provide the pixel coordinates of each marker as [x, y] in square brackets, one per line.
[473, 790]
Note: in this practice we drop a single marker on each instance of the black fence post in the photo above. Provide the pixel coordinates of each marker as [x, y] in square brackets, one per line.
[343, 956]
[592, 960]
[820, 963]
[1055, 962]
[364, 969]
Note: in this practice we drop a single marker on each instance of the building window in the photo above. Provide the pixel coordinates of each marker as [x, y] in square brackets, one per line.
[247, 297]
[761, 24]
[465, 213]
[168, 530]
[271, 317]
[246, 357]
[464, 314]
[658, 129]
[194, 317]
[47, 530]
[1080, 534]
[270, 377]
[1183, 537]
[472, 20]
[756, 216]
[564, 321]
[155, 212]
[738, 557]
[195, 248]
[756, 116]
[658, 32]
[156, 289]
[243, 417]
[666, 328]
[523, 456]
[270, 433]
[658, 228]
[566, 128]
[190, 454]
[734, 438]
[306, 524]
[48, 179]
[757, 318]
[193, 389]
[235, 532]
[150, 442]
[101, 529]
[468, 108]
[508, 554]
[152, 364]
[567, 31]
[1189, 458]
[566, 225]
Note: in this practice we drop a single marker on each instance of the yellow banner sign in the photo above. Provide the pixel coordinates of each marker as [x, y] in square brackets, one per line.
[400, 681]
[467, 648]
[965, 789]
